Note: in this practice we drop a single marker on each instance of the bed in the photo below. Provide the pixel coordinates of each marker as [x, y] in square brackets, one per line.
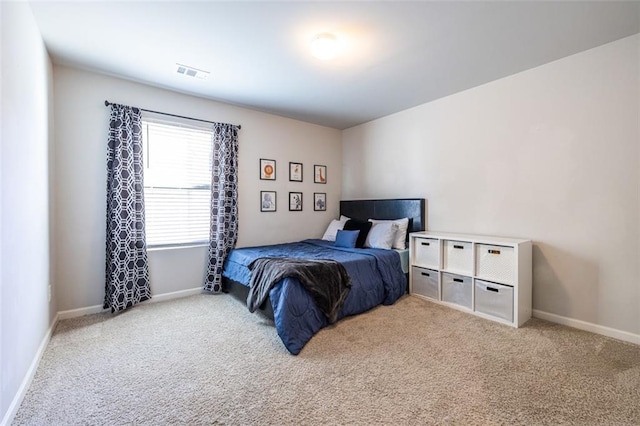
[377, 275]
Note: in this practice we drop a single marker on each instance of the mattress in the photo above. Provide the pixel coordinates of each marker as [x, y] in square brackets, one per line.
[404, 259]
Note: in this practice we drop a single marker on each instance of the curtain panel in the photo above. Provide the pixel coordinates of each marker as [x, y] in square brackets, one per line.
[127, 271]
[224, 202]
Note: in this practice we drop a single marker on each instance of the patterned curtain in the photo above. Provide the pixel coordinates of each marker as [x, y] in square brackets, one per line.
[127, 273]
[224, 202]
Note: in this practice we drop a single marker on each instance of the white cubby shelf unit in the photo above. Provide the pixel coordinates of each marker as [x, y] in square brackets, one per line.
[486, 276]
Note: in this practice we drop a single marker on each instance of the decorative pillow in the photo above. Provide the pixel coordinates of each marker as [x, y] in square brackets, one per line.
[332, 230]
[382, 235]
[358, 225]
[334, 226]
[346, 238]
[401, 232]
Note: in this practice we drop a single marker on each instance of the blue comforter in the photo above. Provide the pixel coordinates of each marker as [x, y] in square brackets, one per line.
[376, 278]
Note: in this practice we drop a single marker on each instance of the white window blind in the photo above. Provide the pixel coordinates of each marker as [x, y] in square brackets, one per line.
[177, 182]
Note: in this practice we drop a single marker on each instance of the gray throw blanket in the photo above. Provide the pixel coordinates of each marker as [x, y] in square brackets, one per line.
[326, 280]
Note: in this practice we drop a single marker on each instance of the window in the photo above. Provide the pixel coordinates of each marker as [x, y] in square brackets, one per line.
[177, 182]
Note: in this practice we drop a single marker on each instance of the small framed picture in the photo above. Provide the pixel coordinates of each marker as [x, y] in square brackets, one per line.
[267, 201]
[319, 201]
[267, 169]
[295, 172]
[295, 201]
[319, 174]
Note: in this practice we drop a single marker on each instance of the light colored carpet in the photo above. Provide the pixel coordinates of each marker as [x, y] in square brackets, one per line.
[206, 360]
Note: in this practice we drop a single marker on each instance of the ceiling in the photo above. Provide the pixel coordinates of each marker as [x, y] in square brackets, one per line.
[395, 55]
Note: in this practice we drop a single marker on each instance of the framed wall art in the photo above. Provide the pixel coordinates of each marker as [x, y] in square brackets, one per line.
[267, 169]
[319, 201]
[319, 174]
[295, 201]
[295, 172]
[267, 201]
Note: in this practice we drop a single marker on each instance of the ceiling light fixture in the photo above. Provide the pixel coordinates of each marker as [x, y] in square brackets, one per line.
[324, 46]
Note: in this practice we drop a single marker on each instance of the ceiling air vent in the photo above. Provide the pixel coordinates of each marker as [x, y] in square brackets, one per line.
[192, 72]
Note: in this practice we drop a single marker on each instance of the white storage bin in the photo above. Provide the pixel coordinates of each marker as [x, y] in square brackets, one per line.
[496, 263]
[425, 282]
[427, 252]
[494, 299]
[457, 289]
[458, 257]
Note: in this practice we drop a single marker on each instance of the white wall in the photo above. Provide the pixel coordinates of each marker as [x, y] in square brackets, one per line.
[26, 313]
[81, 134]
[549, 154]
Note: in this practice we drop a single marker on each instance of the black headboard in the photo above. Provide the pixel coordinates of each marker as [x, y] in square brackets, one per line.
[413, 208]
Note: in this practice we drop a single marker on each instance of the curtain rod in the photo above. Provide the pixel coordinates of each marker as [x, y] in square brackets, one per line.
[107, 103]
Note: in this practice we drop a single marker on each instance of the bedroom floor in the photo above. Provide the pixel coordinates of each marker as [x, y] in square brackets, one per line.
[206, 360]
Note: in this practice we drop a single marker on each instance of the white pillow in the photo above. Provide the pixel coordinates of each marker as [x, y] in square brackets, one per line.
[334, 227]
[381, 235]
[401, 233]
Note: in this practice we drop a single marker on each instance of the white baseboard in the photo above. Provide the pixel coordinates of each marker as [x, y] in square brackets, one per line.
[587, 326]
[73, 313]
[31, 372]
[175, 295]
[96, 309]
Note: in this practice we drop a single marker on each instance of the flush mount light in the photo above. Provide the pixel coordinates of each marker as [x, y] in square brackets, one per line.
[192, 72]
[324, 46]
